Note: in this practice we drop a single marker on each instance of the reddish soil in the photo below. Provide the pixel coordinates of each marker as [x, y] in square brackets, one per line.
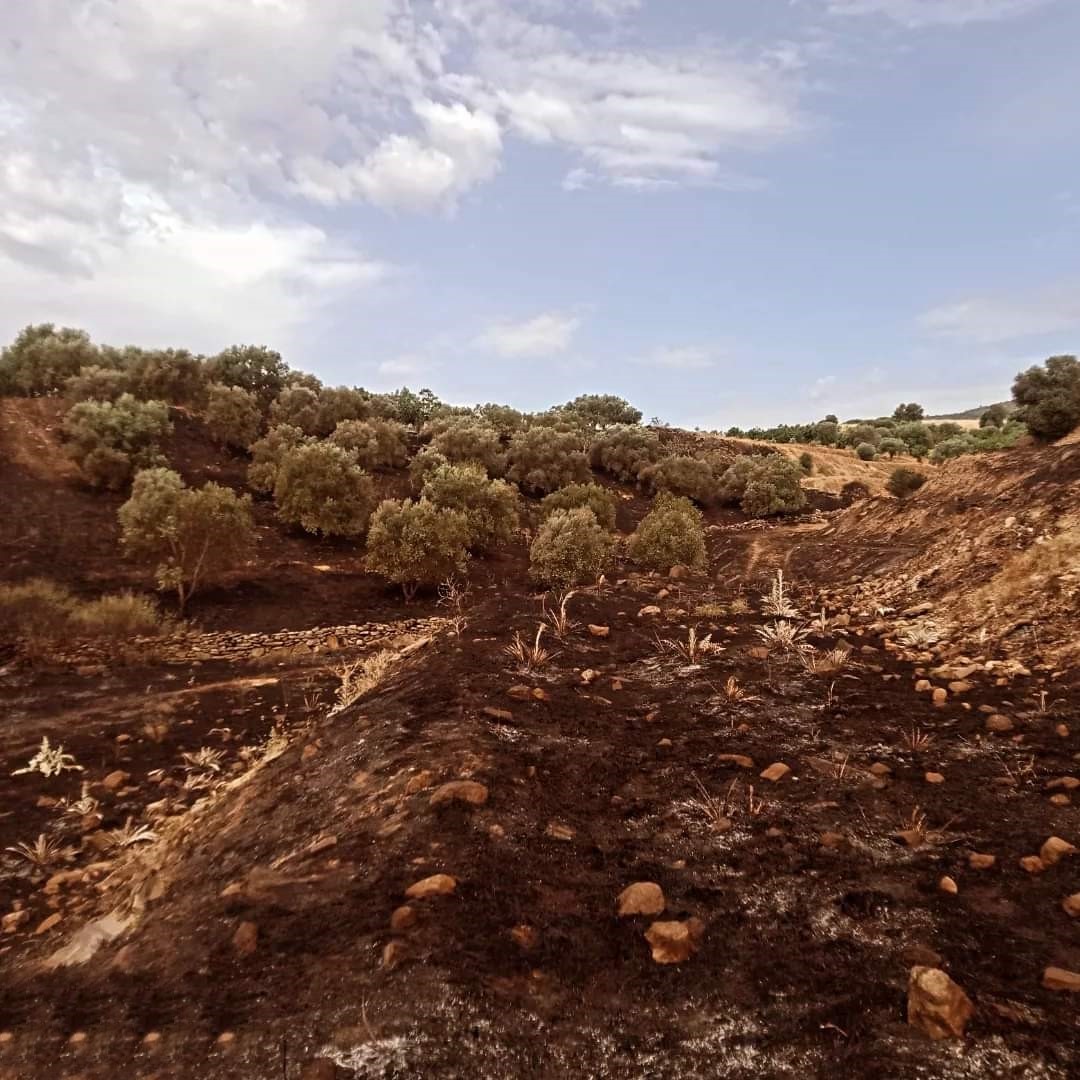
[808, 938]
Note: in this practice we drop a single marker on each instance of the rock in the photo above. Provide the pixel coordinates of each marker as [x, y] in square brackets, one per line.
[923, 686]
[914, 838]
[1055, 978]
[1071, 905]
[978, 861]
[246, 939]
[226, 1038]
[464, 791]
[741, 760]
[1062, 730]
[393, 953]
[1066, 783]
[649, 609]
[525, 937]
[663, 594]
[832, 840]
[1060, 800]
[436, 885]
[497, 714]
[934, 778]
[419, 781]
[679, 572]
[936, 1005]
[939, 695]
[599, 631]
[775, 772]
[520, 693]
[311, 750]
[47, 924]
[403, 918]
[674, 942]
[115, 780]
[998, 723]
[879, 768]
[1032, 864]
[558, 831]
[960, 686]
[15, 920]
[642, 898]
[589, 676]
[1055, 849]
[948, 885]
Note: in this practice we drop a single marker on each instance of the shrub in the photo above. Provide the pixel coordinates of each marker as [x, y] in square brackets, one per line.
[375, 443]
[320, 487]
[866, 451]
[575, 496]
[995, 417]
[490, 506]
[335, 405]
[763, 485]
[416, 544]
[233, 417]
[542, 460]
[854, 491]
[111, 439]
[423, 465]
[601, 410]
[192, 535]
[908, 411]
[892, 446]
[471, 441]
[806, 462]
[297, 406]
[251, 367]
[42, 358]
[571, 548]
[671, 533]
[862, 433]
[119, 618]
[683, 475]
[916, 438]
[504, 419]
[625, 451]
[267, 452]
[171, 375]
[953, 447]
[96, 383]
[1048, 397]
[827, 432]
[904, 482]
[35, 614]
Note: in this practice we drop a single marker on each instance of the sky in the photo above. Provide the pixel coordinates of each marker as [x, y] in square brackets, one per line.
[727, 211]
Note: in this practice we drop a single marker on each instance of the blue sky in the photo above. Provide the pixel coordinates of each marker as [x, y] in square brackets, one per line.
[729, 212]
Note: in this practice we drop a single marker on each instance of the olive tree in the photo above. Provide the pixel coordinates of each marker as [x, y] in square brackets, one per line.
[1048, 396]
[490, 506]
[571, 548]
[320, 487]
[191, 535]
[109, 440]
[232, 417]
[417, 544]
[670, 533]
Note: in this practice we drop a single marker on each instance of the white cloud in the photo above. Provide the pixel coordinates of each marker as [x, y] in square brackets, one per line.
[406, 366]
[822, 387]
[916, 14]
[988, 319]
[543, 335]
[679, 358]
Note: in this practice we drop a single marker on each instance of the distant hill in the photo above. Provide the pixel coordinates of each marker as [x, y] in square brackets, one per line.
[973, 414]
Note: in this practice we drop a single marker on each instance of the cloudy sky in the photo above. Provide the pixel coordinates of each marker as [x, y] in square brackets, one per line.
[729, 211]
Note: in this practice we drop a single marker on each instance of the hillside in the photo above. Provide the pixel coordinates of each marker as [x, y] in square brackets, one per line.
[312, 753]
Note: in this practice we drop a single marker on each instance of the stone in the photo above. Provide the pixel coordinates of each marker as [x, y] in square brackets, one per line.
[589, 676]
[520, 693]
[642, 898]
[311, 750]
[935, 778]
[246, 939]
[979, 861]
[469, 792]
[226, 1038]
[879, 768]
[15, 920]
[832, 839]
[115, 780]
[1065, 783]
[775, 772]
[558, 831]
[663, 594]
[393, 953]
[599, 631]
[1060, 799]
[497, 714]
[960, 686]
[47, 924]
[998, 723]
[649, 609]
[1062, 730]
[936, 1005]
[1055, 978]
[674, 942]
[948, 885]
[419, 781]
[939, 695]
[679, 572]
[1055, 849]
[436, 885]
[741, 760]
[525, 937]
[403, 918]
[1071, 905]
[923, 686]
[1032, 864]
